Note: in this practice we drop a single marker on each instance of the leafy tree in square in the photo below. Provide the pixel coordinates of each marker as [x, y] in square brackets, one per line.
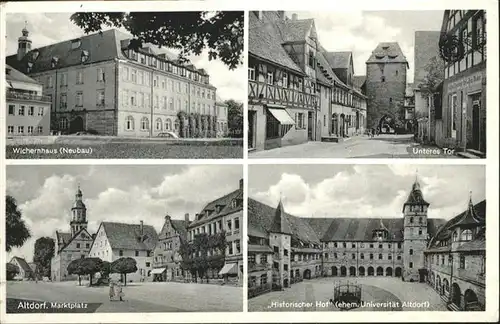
[191, 32]
[74, 267]
[44, 252]
[124, 266]
[17, 232]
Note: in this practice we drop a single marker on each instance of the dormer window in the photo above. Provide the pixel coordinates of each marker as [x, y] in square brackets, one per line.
[35, 54]
[379, 56]
[30, 67]
[76, 43]
[84, 56]
[385, 47]
[466, 235]
[392, 56]
[234, 204]
[54, 62]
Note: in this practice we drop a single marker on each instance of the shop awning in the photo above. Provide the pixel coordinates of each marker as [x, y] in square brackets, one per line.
[229, 268]
[158, 270]
[282, 116]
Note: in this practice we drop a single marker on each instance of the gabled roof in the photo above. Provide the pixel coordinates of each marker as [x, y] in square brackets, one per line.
[358, 81]
[387, 52]
[415, 197]
[12, 74]
[23, 264]
[63, 238]
[338, 60]
[128, 236]
[179, 225]
[71, 238]
[224, 202]
[296, 30]
[280, 221]
[265, 41]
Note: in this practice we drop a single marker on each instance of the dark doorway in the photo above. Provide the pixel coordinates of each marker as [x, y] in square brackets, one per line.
[398, 272]
[422, 275]
[343, 271]
[388, 272]
[456, 295]
[310, 126]
[335, 125]
[334, 271]
[307, 274]
[76, 125]
[476, 132]
[251, 129]
[370, 271]
[380, 271]
[285, 283]
[470, 300]
[352, 271]
[361, 271]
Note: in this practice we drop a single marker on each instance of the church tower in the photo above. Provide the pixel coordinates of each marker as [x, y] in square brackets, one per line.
[78, 214]
[415, 233]
[23, 44]
[280, 236]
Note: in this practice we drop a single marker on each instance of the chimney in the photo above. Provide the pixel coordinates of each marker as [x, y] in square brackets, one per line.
[241, 184]
[294, 17]
[186, 217]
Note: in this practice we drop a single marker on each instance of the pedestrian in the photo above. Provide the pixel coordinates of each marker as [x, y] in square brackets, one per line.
[119, 290]
[111, 289]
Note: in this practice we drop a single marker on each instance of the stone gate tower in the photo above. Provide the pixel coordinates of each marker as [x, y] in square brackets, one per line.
[385, 85]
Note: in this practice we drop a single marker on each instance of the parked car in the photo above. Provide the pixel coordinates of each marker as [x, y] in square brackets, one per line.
[167, 135]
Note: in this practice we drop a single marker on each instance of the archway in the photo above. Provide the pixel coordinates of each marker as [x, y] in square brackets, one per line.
[297, 274]
[370, 271]
[386, 124]
[335, 124]
[357, 120]
[76, 125]
[388, 272]
[342, 125]
[352, 271]
[380, 271]
[361, 271]
[471, 303]
[446, 286]
[438, 284]
[433, 279]
[334, 271]
[285, 283]
[398, 272]
[456, 295]
[343, 271]
[307, 274]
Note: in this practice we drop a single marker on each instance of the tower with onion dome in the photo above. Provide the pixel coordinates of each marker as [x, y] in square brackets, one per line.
[78, 213]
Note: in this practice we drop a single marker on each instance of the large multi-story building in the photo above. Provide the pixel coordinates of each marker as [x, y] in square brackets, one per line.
[28, 109]
[283, 249]
[385, 86]
[456, 259]
[96, 83]
[297, 91]
[223, 215]
[461, 121]
[73, 245]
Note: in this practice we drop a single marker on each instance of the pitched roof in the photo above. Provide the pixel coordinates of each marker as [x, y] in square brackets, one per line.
[296, 30]
[265, 41]
[181, 227]
[12, 74]
[280, 221]
[358, 80]
[415, 197]
[23, 264]
[63, 238]
[225, 207]
[128, 236]
[387, 52]
[338, 60]
[470, 216]
[324, 69]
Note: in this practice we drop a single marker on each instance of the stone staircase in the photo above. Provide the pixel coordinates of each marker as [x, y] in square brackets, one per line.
[452, 307]
[472, 154]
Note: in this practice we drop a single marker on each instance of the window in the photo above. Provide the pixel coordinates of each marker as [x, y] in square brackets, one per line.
[300, 122]
[389, 257]
[411, 265]
[269, 79]
[462, 262]
[354, 256]
[10, 129]
[50, 82]
[21, 111]
[63, 123]
[344, 245]
[236, 223]
[419, 231]
[353, 245]
[371, 245]
[285, 80]
[362, 256]
[380, 246]
[453, 116]
[411, 220]
[466, 235]
[30, 130]
[382, 78]
[380, 256]
[411, 251]
[144, 124]
[77, 245]
[335, 244]
[136, 253]
[12, 110]
[148, 264]
[133, 98]
[159, 124]
[390, 100]
[101, 77]
[100, 98]
[20, 129]
[454, 237]
[371, 256]
[31, 111]
[311, 59]
[398, 257]
[335, 255]
[79, 77]
[79, 99]
[64, 79]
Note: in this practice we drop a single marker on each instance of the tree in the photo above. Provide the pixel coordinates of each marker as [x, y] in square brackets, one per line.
[234, 117]
[44, 252]
[434, 75]
[105, 269]
[74, 267]
[17, 233]
[85, 266]
[12, 271]
[220, 32]
[124, 266]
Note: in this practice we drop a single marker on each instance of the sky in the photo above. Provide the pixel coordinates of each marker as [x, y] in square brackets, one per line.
[117, 193]
[49, 28]
[361, 31]
[365, 190]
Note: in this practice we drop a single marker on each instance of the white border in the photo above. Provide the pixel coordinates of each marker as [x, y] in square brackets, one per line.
[491, 313]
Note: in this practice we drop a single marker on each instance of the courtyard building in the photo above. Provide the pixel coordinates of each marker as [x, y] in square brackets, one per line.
[222, 119]
[28, 110]
[461, 121]
[26, 272]
[119, 240]
[71, 245]
[223, 215]
[167, 257]
[386, 87]
[297, 91]
[98, 84]
[284, 249]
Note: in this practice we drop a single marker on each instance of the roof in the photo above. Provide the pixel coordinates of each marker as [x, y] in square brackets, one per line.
[63, 238]
[23, 264]
[12, 74]
[416, 197]
[322, 68]
[224, 204]
[338, 60]
[265, 41]
[470, 216]
[296, 30]
[280, 221]
[179, 225]
[358, 81]
[387, 52]
[474, 245]
[127, 236]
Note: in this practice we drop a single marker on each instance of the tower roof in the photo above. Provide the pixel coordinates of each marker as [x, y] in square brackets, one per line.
[416, 197]
[469, 217]
[387, 52]
[280, 222]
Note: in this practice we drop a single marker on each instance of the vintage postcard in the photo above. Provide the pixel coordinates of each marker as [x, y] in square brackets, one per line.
[80, 238]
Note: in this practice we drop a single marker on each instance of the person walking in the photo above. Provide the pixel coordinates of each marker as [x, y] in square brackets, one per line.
[119, 290]
[111, 289]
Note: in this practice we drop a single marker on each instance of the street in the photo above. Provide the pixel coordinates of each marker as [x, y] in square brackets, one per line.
[143, 297]
[382, 146]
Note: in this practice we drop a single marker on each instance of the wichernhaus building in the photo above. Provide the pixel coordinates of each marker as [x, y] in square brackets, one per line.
[284, 249]
[97, 84]
[294, 96]
[462, 121]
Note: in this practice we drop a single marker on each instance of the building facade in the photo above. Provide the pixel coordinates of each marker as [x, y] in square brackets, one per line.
[167, 258]
[98, 84]
[456, 260]
[73, 245]
[284, 249]
[28, 110]
[222, 114]
[25, 270]
[223, 215]
[385, 86]
[463, 121]
[118, 240]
